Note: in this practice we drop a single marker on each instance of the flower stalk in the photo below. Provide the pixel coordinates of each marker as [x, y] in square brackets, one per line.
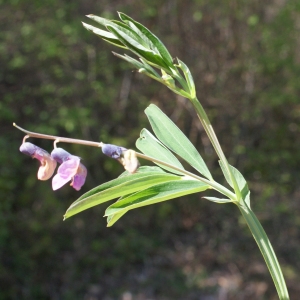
[214, 185]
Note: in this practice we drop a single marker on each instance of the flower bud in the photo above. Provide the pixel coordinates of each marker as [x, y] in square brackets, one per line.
[126, 157]
[113, 151]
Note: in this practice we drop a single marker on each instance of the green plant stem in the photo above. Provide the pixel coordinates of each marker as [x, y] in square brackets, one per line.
[266, 249]
[215, 185]
[214, 140]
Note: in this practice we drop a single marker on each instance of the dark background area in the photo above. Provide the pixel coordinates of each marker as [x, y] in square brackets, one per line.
[57, 78]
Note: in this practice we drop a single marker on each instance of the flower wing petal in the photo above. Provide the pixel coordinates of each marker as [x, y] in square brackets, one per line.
[65, 172]
[79, 178]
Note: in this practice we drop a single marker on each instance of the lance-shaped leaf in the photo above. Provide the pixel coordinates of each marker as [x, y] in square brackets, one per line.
[241, 181]
[136, 44]
[171, 136]
[112, 219]
[189, 78]
[152, 147]
[152, 40]
[116, 188]
[105, 35]
[138, 64]
[102, 21]
[157, 193]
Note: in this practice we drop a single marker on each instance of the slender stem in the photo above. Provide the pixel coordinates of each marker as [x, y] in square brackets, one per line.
[58, 138]
[266, 249]
[216, 186]
[215, 142]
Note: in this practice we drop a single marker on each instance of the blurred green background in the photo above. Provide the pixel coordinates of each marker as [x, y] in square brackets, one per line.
[58, 78]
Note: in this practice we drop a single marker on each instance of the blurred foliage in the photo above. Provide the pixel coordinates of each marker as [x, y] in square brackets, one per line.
[57, 78]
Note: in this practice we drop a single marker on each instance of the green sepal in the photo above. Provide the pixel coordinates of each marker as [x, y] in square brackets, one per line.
[172, 137]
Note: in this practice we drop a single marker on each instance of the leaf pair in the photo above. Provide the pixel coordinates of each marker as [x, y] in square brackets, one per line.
[171, 137]
[150, 185]
[134, 36]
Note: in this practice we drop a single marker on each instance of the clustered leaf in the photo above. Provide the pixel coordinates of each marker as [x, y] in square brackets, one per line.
[135, 37]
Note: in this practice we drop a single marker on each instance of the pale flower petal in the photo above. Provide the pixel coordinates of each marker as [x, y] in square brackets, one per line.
[70, 170]
[48, 164]
[79, 178]
[130, 161]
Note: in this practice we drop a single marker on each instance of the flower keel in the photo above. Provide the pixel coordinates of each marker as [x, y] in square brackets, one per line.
[47, 163]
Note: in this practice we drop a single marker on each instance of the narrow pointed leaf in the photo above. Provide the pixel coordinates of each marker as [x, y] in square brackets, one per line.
[133, 42]
[151, 146]
[241, 181]
[157, 193]
[116, 188]
[153, 40]
[106, 35]
[112, 219]
[171, 136]
[138, 64]
[188, 77]
[218, 200]
[102, 21]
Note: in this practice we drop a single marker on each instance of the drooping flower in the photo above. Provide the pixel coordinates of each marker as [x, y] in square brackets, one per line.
[71, 169]
[47, 163]
[125, 156]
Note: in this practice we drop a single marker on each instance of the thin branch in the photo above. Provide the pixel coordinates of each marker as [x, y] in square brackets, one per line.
[58, 138]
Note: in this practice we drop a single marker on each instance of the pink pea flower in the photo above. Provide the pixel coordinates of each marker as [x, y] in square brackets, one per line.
[71, 169]
[47, 163]
[126, 157]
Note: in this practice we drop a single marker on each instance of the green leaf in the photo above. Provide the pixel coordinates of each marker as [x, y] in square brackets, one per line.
[134, 42]
[105, 35]
[188, 77]
[145, 169]
[157, 193]
[150, 146]
[112, 219]
[171, 136]
[102, 21]
[153, 41]
[116, 188]
[138, 64]
[218, 200]
[241, 181]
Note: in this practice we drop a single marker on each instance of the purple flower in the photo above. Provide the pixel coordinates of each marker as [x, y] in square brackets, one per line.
[113, 151]
[48, 164]
[71, 169]
[126, 157]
